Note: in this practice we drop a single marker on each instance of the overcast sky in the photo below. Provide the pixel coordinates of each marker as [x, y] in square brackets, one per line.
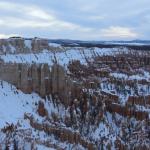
[76, 19]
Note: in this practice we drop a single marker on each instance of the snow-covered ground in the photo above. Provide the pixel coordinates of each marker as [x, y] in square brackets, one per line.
[28, 44]
[63, 57]
[14, 103]
[144, 76]
[54, 45]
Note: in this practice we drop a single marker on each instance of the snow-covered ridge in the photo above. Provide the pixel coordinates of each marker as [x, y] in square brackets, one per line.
[54, 45]
[145, 76]
[132, 43]
[21, 45]
[62, 57]
[24, 45]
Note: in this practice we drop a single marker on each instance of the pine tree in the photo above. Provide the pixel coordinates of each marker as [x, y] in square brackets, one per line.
[15, 145]
[7, 147]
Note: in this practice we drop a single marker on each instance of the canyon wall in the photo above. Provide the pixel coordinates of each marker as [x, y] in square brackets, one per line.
[21, 45]
[37, 78]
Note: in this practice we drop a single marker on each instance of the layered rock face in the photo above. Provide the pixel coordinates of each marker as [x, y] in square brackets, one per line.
[36, 78]
[21, 45]
[12, 46]
[38, 44]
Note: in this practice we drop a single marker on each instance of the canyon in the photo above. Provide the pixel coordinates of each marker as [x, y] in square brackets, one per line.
[74, 95]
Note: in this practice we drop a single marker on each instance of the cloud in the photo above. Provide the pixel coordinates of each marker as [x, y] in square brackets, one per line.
[5, 36]
[118, 32]
[32, 16]
[83, 20]
[15, 22]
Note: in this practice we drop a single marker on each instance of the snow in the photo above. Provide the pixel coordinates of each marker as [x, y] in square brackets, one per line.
[54, 45]
[119, 75]
[4, 48]
[145, 76]
[63, 57]
[12, 48]
[102, 131]
[14, 104]
[128, 43]
[29, 58]
[41, 147]
[28, 44]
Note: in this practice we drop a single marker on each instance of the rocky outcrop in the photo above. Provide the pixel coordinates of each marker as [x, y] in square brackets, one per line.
[111, 97]
[139, 100]
[18, 45]
[14, 45]
[127, 112]
[39, 44]
[64, 134]
[37, 78]
[41, 109]
[61, 85]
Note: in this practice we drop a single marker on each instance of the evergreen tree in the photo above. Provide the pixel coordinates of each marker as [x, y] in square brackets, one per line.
[7, 147]
[15, 145]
